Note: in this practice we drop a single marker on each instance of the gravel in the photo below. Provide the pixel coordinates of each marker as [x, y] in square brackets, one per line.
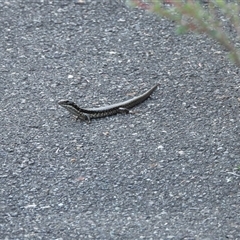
[169, 171]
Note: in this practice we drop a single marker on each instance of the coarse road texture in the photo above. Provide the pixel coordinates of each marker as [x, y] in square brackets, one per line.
[169, 171]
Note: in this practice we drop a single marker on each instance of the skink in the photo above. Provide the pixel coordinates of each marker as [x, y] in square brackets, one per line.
[87, 114]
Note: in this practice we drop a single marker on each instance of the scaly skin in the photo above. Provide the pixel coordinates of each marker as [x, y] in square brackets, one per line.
[87, 114]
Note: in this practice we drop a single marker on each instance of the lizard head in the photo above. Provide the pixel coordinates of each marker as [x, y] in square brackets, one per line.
[70, 106]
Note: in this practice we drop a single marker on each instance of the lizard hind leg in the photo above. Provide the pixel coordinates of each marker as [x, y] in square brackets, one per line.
[123, 110]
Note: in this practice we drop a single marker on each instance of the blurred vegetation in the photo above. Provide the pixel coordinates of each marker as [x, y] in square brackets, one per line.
[218, 19]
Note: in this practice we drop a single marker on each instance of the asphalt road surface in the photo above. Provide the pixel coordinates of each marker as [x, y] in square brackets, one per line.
[167, 171]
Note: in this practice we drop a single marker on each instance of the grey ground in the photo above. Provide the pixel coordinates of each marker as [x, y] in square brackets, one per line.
[167, 172]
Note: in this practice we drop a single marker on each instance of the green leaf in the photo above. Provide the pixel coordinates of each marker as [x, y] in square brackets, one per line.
[181, 29]
[220, 3]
